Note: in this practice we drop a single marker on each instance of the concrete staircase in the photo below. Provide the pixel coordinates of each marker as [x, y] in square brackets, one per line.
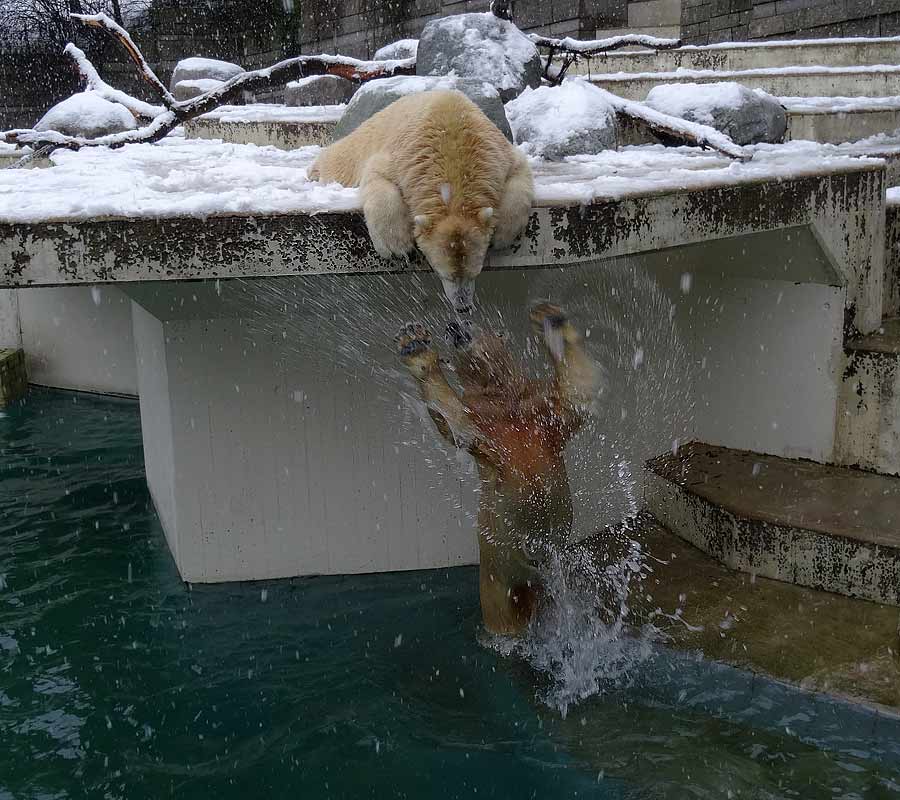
[825, 527]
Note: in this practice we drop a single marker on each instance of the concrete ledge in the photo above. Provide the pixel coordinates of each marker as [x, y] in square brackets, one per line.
[284, 134]
[833, 126]
[844, 207]
[755, 55]
[13, 377]
[892, 255]
[809, 524]
[800, 82]
[868, 431]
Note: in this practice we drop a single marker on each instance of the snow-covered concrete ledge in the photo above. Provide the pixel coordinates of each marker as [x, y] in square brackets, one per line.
[853, 52]
[186, 210]
[881, 80]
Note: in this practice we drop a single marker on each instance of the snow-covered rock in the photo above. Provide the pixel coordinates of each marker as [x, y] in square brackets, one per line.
[192, 69]
[375, 95]
[481, 47]
[319, 90]
[86, 114]
[553, 122]
[185, 90]
[402, 48]
[747, 116]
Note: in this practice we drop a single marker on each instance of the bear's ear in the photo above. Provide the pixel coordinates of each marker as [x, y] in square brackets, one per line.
[485, 214]
[420, 222]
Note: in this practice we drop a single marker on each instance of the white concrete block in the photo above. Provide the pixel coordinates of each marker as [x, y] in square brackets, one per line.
[79, 337]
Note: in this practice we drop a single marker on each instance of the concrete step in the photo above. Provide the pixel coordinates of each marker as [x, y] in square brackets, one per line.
[840, 119]
[866, 81]
[751, 55]
[830, 528]
[869, 408]
[285, 127]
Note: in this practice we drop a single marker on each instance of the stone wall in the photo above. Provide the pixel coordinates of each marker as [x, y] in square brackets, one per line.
[710, 21]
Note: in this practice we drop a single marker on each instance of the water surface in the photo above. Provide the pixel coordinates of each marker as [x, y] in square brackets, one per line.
[119, 681]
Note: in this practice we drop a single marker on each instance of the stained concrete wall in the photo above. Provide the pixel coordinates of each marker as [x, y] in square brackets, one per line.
[78, 337]
[10, 328]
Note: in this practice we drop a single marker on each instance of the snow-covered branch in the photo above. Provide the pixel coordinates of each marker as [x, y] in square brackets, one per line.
[569, 50]
[122, 36]
[96, 84]
[173, 112]
[595, 47]
[670, 128]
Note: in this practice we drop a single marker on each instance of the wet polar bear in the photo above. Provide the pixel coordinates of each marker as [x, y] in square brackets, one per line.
[434, 171]
[516, 429]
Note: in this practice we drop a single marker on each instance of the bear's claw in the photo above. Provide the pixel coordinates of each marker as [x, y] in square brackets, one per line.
[459, 334]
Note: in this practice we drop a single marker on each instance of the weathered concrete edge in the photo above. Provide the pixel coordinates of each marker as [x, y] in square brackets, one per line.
[792, 555]
[286, 135]
[845, 208]
[891, 306]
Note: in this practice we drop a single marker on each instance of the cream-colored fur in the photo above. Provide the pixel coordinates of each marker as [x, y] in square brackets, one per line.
[434, 171]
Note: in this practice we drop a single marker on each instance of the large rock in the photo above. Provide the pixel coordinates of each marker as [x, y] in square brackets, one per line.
[481, 47]
[748, 116]
[572, 119]
[193, 69]
[373, 96]
[86, 114]
[319, 90]
[402, 48]
[187, 90]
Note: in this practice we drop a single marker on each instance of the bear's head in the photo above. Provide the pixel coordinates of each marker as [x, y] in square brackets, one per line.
[455, 244]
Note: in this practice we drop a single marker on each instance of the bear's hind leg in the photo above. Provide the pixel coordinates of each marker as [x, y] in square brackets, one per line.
[578, 378]
[509, 589]
[387, 215]
[514, 210]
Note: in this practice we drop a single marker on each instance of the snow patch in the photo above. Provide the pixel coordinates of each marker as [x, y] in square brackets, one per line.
[271, 112]
[402, 48]
[86, 114]
[557, 121]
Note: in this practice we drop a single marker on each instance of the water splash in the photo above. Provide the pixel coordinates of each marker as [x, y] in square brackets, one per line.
[628, 321]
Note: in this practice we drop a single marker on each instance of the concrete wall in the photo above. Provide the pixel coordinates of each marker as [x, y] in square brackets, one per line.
[10, 328]
[79, 338]
[711, 21]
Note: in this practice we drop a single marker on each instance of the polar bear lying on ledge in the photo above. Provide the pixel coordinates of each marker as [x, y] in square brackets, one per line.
[434, 171]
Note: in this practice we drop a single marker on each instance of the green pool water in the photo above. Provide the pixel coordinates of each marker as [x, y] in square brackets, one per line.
[119, 681]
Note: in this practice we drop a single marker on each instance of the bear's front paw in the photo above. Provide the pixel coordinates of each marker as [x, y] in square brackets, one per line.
[414, 345]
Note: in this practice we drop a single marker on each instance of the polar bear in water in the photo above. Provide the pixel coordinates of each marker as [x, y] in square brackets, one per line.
[434, 171]
[516, 428]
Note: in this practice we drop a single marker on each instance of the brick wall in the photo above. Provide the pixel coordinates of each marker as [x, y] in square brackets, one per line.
[710, 21]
